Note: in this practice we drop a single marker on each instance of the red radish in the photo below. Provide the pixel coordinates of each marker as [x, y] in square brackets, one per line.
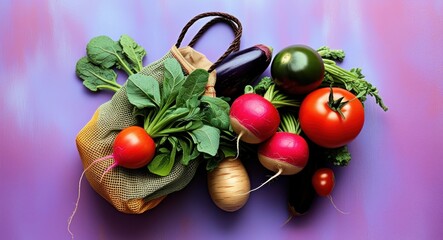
[132, 148]
[323, 182]
[286, 152]
[253, 118]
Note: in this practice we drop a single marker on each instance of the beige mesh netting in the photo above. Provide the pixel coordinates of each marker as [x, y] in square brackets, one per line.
[129, 190]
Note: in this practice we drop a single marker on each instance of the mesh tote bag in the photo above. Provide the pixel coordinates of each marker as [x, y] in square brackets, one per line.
[135, 191]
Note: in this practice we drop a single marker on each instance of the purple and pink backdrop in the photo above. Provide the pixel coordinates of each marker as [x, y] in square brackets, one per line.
[392, 188]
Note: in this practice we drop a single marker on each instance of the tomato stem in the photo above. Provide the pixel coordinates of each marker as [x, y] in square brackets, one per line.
[336, 105]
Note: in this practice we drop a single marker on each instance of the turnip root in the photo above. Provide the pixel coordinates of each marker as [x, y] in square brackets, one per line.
[229, 185]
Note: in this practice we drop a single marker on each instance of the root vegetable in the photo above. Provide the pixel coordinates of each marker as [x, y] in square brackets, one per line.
[286, 151]
[253, 118]
[229, 185]
[132, 148]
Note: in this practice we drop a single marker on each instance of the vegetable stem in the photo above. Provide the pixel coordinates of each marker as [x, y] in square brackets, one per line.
[289, 123]
[113, 83]
[160, 115]
[163, 124]
[123, 64]
[352, 81]
[112, 88]
[279, 99]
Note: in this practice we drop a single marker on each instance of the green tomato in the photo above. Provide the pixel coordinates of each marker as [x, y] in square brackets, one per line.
[298, 69]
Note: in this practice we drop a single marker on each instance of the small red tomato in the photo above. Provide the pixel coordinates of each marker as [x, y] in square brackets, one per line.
[323, 181]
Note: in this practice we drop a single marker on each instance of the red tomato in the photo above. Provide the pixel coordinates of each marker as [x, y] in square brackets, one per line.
[323, 181]
[321, 121]
[133, 148]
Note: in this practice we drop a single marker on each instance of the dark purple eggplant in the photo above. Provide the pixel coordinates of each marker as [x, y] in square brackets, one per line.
[301, 193]
[241, 68]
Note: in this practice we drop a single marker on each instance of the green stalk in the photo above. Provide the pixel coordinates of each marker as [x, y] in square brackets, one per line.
[125, 67]
[165, 123]
[123, 64]
[351, 81]
[279, 99]
[112, 88]
[113, 83]
[289, 123]
[151, 125]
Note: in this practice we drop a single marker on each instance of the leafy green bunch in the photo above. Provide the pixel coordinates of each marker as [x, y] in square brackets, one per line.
[104, 56]
[184, 123]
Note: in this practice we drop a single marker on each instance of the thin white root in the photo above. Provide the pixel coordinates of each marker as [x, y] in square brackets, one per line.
[79, 192]
[335, 206]
[238, 145]
[287, 220]
[280, 170]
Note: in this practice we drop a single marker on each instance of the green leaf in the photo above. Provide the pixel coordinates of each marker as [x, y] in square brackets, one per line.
[216, 112]
[161, 164]
[326, 52]
[173, 79]
[105, 52]
[194, 85]
[262, 86]
[339, 156]
[212, 163]
[102, 51]
[228, 151]
[207, 139]
[95, 77]
[143, 91]
[186, 146]
[165, 157]
[132, 51]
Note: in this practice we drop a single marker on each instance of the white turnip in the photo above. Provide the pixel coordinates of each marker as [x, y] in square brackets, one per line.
[229, 185]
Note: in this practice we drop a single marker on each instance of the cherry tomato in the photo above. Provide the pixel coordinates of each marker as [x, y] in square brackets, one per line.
[329, 121]
[133, 148]
[298, 69]
[323, 181]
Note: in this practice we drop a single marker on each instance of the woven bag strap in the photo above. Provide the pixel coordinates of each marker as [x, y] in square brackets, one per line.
[233, 22]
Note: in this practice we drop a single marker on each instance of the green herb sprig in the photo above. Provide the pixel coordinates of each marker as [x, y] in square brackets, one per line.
[352, 80]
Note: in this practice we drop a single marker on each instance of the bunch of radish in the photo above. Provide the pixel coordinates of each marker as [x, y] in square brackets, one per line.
[257, 121]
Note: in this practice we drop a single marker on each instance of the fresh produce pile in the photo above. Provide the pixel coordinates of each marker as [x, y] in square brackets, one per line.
[296, 122]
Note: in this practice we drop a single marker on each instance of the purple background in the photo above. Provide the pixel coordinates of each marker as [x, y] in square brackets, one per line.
[392, 189]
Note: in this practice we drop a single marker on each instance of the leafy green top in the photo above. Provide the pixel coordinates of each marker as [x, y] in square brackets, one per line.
[184, 123]
[104, 56]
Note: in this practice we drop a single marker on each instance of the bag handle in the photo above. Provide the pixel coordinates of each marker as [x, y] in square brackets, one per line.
[233, 22]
